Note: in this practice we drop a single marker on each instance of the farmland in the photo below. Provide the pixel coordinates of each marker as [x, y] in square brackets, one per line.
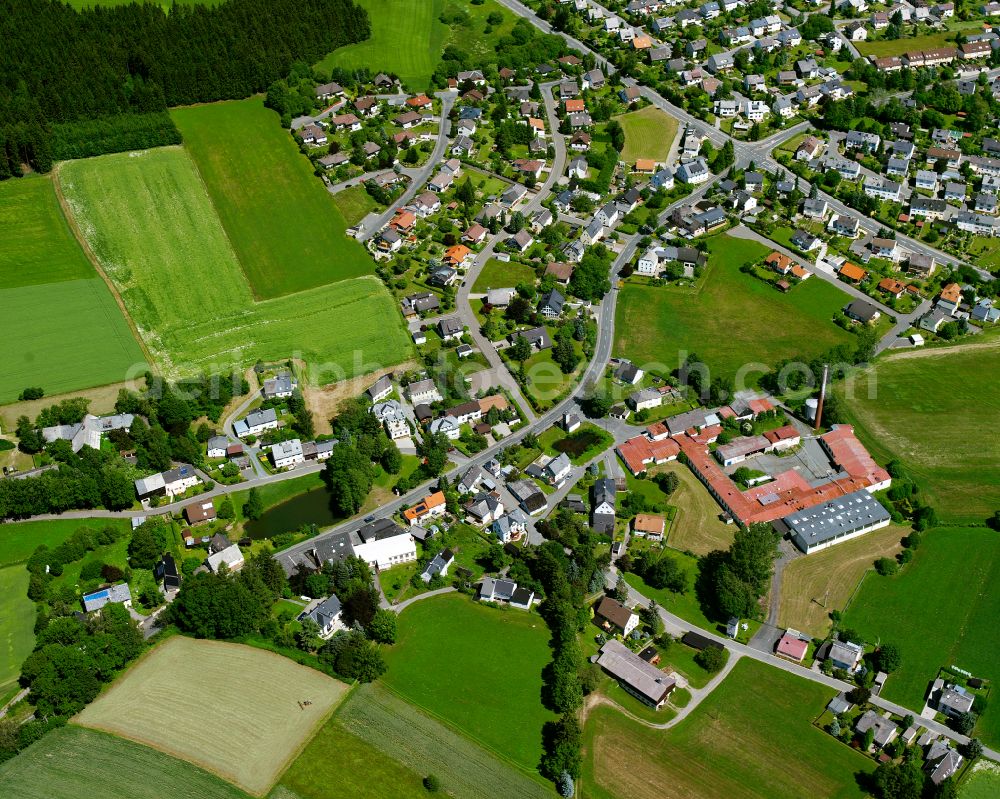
[738, 743]
[17, 622]
[88, 343]
[813, 586]
[952, 584]
[408, 37]
[914, 393]
[18, 540]
[72, 762]
[183, 286]
[285, 228]
[210, 722]
[494, 699]
[663, 325]
[649, 133]
[424, 745]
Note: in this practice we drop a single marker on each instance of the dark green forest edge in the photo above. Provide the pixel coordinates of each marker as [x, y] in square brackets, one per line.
[83, 83]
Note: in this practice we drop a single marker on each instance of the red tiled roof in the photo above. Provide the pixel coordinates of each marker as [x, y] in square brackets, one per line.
[792, 647]
[639, 451]
[759, 406]
[781, 434]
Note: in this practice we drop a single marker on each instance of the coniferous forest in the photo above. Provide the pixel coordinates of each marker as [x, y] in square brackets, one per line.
[85, 82]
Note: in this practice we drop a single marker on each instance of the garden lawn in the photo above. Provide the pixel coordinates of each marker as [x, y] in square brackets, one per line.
[813, 586]
[921, 399]
[62, 328]
[493, 660]
[212, 721]
[649, 133]
[72, 762]
[151, 223]
[498, 275]
[355, 204]
[286, 229]
[738, 743]
[941, 610]
[18, 540]
[730, 319]
[982, 782]
[17, 628]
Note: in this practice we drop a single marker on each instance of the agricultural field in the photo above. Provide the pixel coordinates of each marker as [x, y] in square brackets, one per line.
[286, 229]
[19, 539]
[662, 325]
[210, 722]
[423, 744]
[914, 393]
[499, 274]
[696, 527]
[649, 133]
[813, 586]
[88, 343]
[953, 585]
[493, 699]
[408, 37]
[184, 288]
[17, 628]
[72, 762]
[738, 743]
[355, 204]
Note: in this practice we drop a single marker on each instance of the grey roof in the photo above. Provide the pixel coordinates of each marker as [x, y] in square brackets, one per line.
[553, 300]
[114, 594]
[326, 612]
[604, 491]
[379, 530]
[279, 384]
[441, 561]
[835, 518]
[217, 442]
[645, 679]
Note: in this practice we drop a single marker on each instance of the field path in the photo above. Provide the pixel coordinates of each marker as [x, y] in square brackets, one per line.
[82, 241]
[934, 352]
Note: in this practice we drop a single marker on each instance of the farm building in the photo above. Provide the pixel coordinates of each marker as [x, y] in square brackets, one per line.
[641, 679]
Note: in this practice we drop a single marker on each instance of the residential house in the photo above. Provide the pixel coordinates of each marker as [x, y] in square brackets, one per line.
[612, 615]
[438, 566]
[604, 494]
[114, 595]
[231, 556]
[648, 525]
[529, 496]
[170, 483]
[862, 311]
[423, 392]
[256, 422]
[431, 506]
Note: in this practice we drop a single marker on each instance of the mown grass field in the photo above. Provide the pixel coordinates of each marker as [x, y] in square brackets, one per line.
[941, 610]
[287, 231]
[72, 762]
[751, 737]
[813, 586]
[499, 274]
[354, 204]
[685, 605]
[17, 625]
[151, 223]
[408, 37]
[648, 134]
[730, 319]
[983, 782]
[494, 662]
[62, 328]
[396, 731]
[18, 540]
[697, 527]
[238, 716]
[920, 400]
[906, 44]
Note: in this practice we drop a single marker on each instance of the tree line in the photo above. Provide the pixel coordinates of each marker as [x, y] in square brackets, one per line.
[63, 65]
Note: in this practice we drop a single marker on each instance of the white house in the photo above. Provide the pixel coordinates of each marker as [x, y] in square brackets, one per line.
[327, 616]
[256, 422]
[231, 556]
[287, 453]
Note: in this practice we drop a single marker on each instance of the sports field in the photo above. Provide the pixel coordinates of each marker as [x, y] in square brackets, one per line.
[408, 37]
[814, 585]
[729, 319]
[921, 399]
[231, 709]
[151, 223]
[17, 625]
[62, 328]
[953, 584]
[378, 745]
[285, 228]
[751, 737]
[494, 662]
[72, 762]
[648, 134]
